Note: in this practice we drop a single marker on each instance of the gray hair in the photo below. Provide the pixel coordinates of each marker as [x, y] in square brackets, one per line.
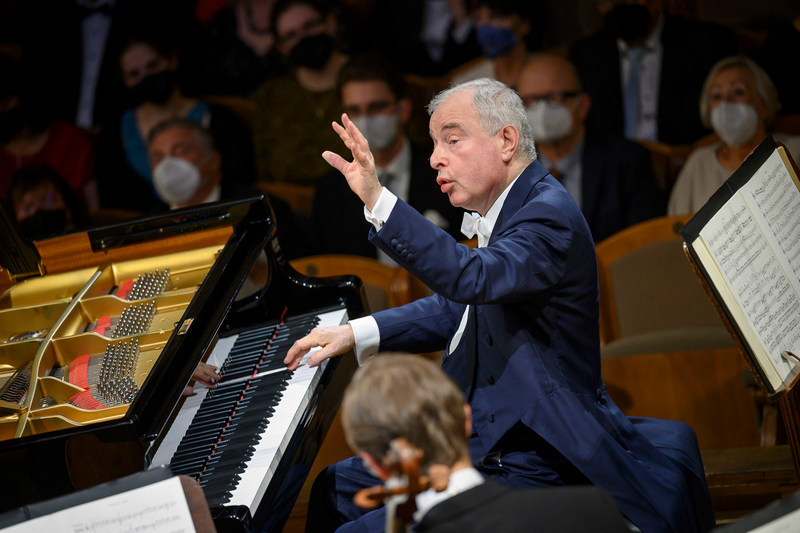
[764, 86]
[497, 105]
[200, 132]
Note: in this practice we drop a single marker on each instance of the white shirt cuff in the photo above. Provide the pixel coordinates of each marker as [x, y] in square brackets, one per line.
[381, 210]
[367, 336]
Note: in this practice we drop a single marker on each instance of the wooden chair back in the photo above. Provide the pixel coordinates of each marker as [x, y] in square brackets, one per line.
[646, 283]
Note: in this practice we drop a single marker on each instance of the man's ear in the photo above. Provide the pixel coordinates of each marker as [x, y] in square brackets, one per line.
[468, 420]
[584, 105]
[173, 61]
[375, 467]
[215, 161]
[404, 110]
[331, 24]
[509, 136]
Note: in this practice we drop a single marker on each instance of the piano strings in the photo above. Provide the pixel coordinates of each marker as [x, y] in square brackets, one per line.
[133, 320]
[147, 285]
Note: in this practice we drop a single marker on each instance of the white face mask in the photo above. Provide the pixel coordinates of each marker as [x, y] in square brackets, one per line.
[379, 130]
[176, 180]
[550, 121]
[734, 123]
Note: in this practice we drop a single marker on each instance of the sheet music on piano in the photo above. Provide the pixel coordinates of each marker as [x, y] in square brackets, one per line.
[256, 466]
[156, 507]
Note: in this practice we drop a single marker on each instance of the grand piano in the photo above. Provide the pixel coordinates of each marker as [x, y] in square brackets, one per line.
[101, 330]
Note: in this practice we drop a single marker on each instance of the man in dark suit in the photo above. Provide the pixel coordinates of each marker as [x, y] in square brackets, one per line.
[373, 94]
[413, 398]
[74, 45]
[611, 179]
[519, 318]
[667, 57]
[422, 37]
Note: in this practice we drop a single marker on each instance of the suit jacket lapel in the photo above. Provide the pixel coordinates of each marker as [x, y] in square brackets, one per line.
[518, 194]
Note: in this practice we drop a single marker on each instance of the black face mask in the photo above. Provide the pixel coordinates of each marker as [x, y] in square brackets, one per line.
[43, 223]
[11, 123]
[155, 88]
[629, 22]
[312, 51]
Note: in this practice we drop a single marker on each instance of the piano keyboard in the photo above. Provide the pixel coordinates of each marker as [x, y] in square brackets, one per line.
[231, 438]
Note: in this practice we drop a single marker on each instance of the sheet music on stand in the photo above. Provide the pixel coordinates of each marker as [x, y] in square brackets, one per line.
[151, 507]
[744, 245]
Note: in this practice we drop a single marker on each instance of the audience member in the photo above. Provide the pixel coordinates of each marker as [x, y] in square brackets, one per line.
[612, 180]
[403, 396]
[30, 136]
[294, 113]
[75, 46]
[373, 94]
[423, 37]
[739, 102]
[518, 316]
[187, 170]
[502, 27]
[645, 69]
[149, 71]
[43, 203]
[238, 49]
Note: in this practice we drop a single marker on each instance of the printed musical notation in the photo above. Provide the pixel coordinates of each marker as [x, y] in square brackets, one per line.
[753, 242]
[157, 508]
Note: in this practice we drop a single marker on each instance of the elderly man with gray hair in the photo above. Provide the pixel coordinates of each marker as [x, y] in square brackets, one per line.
[518, 317]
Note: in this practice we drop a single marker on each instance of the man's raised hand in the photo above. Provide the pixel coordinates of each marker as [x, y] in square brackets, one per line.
[360, 173]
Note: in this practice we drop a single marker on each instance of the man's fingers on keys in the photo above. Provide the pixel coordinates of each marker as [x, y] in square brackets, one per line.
[297, 351]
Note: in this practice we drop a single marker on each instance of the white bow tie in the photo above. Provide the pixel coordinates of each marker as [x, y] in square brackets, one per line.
[474, 224]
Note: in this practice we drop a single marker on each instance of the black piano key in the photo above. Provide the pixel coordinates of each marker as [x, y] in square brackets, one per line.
[202, 443]
[235, 421]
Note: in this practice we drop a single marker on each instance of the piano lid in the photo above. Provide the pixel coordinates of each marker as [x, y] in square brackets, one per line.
[64, 408]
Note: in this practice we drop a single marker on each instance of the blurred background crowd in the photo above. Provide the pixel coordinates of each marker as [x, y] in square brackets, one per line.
[114, 108]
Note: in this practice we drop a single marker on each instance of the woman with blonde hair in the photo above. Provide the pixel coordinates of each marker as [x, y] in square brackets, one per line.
[739, 102]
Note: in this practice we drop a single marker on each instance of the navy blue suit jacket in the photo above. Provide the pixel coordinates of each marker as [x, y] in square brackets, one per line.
[619, 187]
[537, 348]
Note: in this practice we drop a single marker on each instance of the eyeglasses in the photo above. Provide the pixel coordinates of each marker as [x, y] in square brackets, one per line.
[558, 97]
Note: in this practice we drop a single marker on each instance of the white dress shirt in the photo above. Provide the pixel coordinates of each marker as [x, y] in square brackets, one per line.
[365, 330]
[649, 82]
[94, 34]
[460, 481]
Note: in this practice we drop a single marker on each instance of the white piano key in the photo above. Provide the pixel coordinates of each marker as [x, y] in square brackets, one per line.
[288, 413]
[269, 450]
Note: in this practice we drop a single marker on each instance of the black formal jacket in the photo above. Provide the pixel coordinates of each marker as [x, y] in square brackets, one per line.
[490, 507]
[619, 186]
[338, 222]
[690, 49]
